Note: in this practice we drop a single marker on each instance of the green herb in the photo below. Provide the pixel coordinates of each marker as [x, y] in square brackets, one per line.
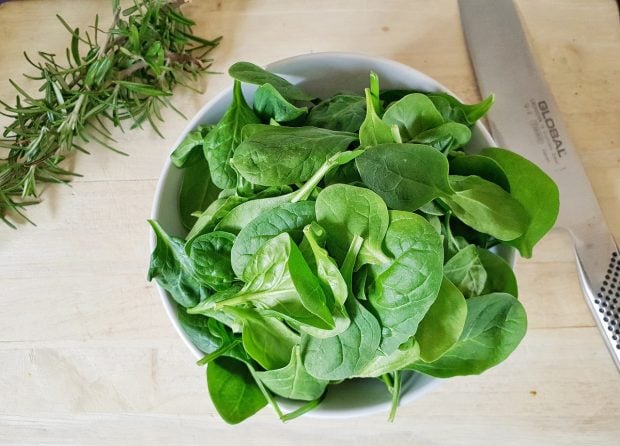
[124, 74]
[336, 251]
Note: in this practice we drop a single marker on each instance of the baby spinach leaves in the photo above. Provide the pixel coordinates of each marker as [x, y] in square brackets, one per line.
[536, 192]
[486, 207]
[406, 176]
[278, 280]
[221, 142]
[269, 103]
[290, 218]
[495, 325]
[293, 380]
[341, 112]
[357, 240]
[412, 114]
[373, 130]
[407, 287]
[346, 211]
[347, 353]
[210, 254]
[253, 74]
[172, 268]
[278, 155]
[234, 393]
[443, 323]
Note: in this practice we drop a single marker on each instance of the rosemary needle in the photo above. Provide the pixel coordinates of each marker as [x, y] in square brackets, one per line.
[126, 73]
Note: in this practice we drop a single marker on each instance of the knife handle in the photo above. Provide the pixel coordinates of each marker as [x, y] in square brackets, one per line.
[602, 293]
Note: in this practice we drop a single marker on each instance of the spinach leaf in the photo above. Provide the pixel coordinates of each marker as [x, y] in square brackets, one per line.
[253, 74]
[173, 269]
[326, 268]
[221, 142]
[210, 254]
[197, 190]
[330, 278]
[279, 281]
[342, 112]
[233, 390]
[482, 166]
[445, 137]
[536, 192]
[466, 272]
[198, 329]
[269, 103]
[293, 381]
[348, 265]
[500, 277]
[443, 323]
[454, 110]
[406, 354]
[276, 156]
[342, 356]
[412, 114]
[266, 339]
[346, 211]
[404, 291]
[242, 215]
[211, 216]
[486, 207]
[189, 146]
[494, 327]
[406, 176]
[289, 217]
[373, 130]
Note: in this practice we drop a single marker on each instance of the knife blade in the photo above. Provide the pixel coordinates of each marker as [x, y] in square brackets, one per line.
[526, 119]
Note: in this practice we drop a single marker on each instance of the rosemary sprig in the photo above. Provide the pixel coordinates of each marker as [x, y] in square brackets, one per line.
[125, 73]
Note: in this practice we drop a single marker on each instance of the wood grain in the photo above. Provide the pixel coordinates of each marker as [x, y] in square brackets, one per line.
[87, 355]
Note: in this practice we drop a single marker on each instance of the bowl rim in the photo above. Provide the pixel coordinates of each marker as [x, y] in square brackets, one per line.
[167, 301]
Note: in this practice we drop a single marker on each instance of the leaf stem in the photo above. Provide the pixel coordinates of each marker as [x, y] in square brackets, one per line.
[268, 396]
[395, 395]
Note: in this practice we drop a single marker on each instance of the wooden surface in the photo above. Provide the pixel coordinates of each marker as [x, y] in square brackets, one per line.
[87, 355]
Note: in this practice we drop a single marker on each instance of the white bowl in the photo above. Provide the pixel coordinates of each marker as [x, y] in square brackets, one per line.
[322, 75]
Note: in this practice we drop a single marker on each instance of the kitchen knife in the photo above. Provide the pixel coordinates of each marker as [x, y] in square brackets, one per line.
[526, 120]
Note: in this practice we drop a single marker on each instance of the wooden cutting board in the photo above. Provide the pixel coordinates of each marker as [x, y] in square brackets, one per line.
[87, 355]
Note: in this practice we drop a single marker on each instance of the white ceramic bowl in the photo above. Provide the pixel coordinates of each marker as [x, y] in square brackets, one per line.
[322, 75]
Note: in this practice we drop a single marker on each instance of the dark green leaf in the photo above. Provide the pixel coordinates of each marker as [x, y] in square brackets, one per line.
[406, 176]
[486, 207]
[453, 110]
[197, 190]
[347, 211]
[253, 74]
[234, 393]
[500, 277]
[210, 254]
[373, 130]
[533, 188]
[443, 323]
[288, 217]
[494, 327]
[341, 112]
[405, 289]
[482, 166]
[342, 356]
[445, 137]
[276, 156]
[293, 381]
[269, 104]
[221, 142]
[412, 114]
[173, 269]
[466, 272]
